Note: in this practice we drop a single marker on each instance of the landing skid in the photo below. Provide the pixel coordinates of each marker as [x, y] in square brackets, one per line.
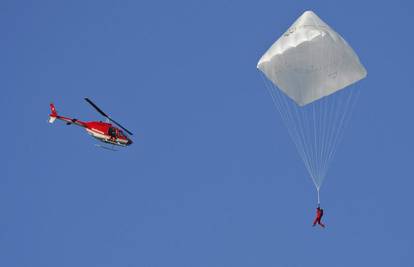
[105, 147]
[114, 143]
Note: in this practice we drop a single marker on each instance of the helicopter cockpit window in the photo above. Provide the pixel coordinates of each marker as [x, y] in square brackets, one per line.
[112, 131]
[121, 133]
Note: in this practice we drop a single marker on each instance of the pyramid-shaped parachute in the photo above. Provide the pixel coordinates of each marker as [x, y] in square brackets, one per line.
[311, 61]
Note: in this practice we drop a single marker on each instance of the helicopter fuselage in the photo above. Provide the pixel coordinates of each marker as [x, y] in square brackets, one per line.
[107, 133]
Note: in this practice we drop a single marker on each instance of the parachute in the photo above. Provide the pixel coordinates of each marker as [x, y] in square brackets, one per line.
[308, 72]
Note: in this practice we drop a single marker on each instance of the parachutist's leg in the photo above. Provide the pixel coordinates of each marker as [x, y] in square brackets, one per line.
[315, 221]
[321, 224]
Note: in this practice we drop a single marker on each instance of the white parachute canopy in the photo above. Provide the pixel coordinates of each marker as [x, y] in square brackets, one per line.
[311, 61]
[311, 64]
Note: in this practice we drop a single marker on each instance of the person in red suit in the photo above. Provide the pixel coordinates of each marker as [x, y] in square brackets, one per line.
[319, 214]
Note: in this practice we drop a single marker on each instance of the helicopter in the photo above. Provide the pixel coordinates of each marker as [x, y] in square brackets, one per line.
[103, 131]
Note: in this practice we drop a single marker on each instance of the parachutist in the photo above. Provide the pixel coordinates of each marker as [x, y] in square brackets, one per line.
[319, 214]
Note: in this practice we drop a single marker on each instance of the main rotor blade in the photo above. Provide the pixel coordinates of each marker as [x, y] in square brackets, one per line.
[123, 128]
[96, 107]
[104, 114]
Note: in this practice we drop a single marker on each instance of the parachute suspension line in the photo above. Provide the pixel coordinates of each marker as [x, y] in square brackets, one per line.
[315, 143]
[327, 111]
[301, 120]
[316, 129]
[339, 121]
[288, 121]
[325, 128]
[294, 123]
[283, 114]
[340, 108]
[332, 111]
[346, 117]
[305, 124]
[322, 127]
[304, 137]
[319, 200]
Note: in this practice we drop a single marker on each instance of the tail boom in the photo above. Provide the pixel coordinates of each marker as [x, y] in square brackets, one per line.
[54, 115]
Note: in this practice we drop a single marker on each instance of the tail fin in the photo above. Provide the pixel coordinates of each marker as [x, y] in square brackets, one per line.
[53, 115]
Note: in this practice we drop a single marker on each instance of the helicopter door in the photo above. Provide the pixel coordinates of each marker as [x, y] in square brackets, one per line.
[112, 132]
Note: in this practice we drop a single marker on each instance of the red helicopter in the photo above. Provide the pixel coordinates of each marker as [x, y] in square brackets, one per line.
[103, 131]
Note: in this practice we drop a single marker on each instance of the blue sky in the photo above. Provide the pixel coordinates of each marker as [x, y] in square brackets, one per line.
[212, 178]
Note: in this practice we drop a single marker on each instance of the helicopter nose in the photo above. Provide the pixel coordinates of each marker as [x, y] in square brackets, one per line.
[129, 142]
